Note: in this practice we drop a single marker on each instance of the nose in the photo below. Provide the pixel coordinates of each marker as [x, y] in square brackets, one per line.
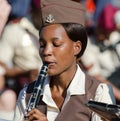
[47, 50]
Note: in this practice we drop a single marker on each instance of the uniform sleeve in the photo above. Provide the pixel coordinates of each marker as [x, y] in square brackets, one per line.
[20, 106]
[104, 93]
[91, 54]
[7, 44]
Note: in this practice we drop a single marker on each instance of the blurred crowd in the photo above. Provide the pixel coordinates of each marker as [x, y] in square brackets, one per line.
[102, 56]
[19, 43]
[19, 56]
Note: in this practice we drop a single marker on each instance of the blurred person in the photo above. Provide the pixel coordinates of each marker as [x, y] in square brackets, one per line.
[67, 88]
[104, 14]
[19, 57]
[98, 61]
[114, 36]
[6, 108]
[114, 46]
[4, 6]
[19, 48]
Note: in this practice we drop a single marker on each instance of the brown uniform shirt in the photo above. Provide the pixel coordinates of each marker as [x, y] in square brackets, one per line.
[75, 109]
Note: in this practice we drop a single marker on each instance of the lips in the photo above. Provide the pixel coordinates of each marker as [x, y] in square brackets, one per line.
[49, 62]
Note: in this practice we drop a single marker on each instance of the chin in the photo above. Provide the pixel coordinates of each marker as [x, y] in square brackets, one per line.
[52, 72]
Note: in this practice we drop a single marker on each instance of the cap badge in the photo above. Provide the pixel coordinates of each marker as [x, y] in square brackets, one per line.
[50, 19]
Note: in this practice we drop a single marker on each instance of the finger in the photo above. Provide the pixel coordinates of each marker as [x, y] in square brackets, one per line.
[35, 114]
[40, 117]
[34, 111]
[30, 113]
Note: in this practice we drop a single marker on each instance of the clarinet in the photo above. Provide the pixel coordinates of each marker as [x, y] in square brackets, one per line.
[34, 99]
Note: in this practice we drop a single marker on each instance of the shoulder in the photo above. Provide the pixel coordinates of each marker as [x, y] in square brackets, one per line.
[91, 85]
[91, 81]
[104, 93]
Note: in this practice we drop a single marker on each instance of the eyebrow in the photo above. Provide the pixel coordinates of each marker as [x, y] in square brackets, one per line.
[52, 39]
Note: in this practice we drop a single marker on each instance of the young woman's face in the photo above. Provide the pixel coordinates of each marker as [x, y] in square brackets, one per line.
[57, 49]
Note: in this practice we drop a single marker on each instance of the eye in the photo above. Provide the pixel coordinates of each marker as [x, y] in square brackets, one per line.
[42, 44]
[57, 44]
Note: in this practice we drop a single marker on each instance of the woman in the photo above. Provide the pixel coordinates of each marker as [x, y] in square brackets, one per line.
[66, 89]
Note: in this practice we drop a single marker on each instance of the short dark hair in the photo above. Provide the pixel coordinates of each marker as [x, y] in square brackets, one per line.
[76, 32]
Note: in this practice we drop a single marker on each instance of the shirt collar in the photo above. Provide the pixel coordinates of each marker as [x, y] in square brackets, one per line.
[77, 87]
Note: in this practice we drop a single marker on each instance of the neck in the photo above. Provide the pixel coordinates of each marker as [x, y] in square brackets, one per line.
[62, 81]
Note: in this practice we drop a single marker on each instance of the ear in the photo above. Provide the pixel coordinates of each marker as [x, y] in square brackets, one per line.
[77, 47]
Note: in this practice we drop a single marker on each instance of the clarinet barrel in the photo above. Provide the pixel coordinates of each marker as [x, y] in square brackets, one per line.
[38, 87]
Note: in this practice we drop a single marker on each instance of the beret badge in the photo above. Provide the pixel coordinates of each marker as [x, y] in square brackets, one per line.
[50, 19]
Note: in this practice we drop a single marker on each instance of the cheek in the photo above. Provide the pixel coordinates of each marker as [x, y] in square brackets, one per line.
[41, 53]
[66, 53]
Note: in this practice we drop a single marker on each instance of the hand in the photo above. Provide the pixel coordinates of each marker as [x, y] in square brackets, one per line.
[35, 115]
